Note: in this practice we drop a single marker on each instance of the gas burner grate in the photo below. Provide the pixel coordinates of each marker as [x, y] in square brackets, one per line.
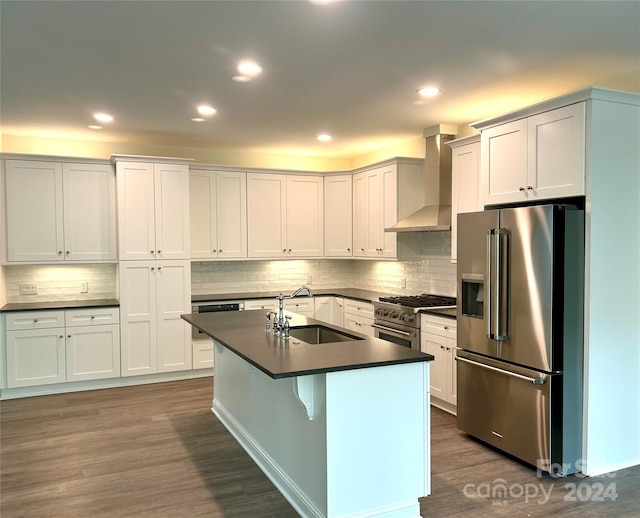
[420, 301]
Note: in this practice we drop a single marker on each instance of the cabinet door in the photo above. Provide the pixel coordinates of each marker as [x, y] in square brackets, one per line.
[35, 357]
[557, 153]
[136, 211]
[465, 162]
[305, 223]
[93, 352]
[266, 215]
[436, 346]
[389, 205]
[174, 299]
[324, 309]
[138, 320]
[359, 215]
[89, 212]
[231, 219]
[202, 209]
[374, 186]
[34, 211]
[338, 216]
[171, 187]
[504, 163]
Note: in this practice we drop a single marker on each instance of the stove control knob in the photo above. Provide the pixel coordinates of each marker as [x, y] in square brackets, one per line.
[394, 314]
[410, 318]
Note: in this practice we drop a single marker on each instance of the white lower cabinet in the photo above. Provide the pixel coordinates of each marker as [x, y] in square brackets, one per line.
[438, 338]
[203, 354]
[330, 310]
[263, 304]
[358, 316]
[153, 295]
[301, 306]
[46, 347]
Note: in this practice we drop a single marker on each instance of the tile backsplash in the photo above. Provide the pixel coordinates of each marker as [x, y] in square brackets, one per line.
[62, 282]
[432, 273]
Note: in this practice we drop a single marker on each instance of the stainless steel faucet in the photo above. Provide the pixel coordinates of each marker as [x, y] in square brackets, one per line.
[279, 322]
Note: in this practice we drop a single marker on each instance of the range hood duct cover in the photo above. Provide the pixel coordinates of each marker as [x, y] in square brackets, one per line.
[436, 215]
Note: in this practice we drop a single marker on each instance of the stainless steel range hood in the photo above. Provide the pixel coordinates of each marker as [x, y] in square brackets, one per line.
[436, 214]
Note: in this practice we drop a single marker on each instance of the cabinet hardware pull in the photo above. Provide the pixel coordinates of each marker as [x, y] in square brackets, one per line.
[68, 336]
[289, 250]
[152, 268]
[348, 249]
[68, 252]
[152, 251]
[442, 347]
[159, 251]
[284, 250]
[59, 252]
[529, 187]
[521, 189]
[92, 317]
[219, 251]
[159, 267]
[61, 336]
[35, 320]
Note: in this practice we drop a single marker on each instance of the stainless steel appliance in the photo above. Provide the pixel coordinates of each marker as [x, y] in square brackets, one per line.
[520, 332]
[396, 319]
[213, 306]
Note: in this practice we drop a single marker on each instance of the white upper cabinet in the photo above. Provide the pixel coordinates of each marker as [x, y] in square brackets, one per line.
[382, 196]
[465, 175]
[338, 216]
[534, 158]
[218, 206]
[60, 212]
[153, 210]
[284, 215]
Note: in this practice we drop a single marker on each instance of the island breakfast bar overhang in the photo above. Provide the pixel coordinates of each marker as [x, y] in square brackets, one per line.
[341, 429]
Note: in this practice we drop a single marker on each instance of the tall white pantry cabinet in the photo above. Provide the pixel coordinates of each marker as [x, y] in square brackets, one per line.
[154, 268]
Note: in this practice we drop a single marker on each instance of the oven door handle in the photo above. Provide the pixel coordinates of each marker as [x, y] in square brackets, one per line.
[390, 330]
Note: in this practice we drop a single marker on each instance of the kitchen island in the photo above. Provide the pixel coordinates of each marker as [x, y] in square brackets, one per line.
[340, 428]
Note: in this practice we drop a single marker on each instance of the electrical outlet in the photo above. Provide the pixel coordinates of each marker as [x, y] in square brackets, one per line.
[309, 278]
[28, 289]
[403, 282]
[84, 287]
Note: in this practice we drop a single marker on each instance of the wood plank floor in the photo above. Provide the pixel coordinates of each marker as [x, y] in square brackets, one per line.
[157, 450]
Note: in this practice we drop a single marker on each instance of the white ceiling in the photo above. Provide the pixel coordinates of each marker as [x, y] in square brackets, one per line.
[350, 68]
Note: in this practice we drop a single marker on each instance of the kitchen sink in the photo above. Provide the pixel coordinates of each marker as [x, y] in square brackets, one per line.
[321, 335]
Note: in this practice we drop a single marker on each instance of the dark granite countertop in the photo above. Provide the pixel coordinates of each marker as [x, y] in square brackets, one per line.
[350, 293]
[243, 332]
[59, 304]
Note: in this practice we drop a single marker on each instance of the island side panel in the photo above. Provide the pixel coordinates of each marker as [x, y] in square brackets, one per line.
[269, 422]
[378, 441]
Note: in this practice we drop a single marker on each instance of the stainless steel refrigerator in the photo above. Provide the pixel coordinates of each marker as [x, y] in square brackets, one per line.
[520, 332]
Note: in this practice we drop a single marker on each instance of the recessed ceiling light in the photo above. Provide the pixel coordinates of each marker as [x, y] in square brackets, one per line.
[94, 126]
[429, 91]
[241, 79]
[103, 117]
[197, 119]
[324, 137]
[249, 68]
[321, 2]
[206, 110]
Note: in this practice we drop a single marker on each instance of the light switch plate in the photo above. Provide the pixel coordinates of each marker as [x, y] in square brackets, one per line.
[84, 287]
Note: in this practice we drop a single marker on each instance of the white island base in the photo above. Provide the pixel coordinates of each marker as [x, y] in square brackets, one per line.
[349, 443]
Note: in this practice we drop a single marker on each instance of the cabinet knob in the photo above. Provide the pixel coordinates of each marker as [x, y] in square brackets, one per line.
[35, 320]
[362, 249]
[219, 251]
[152, 251]
[289, 250]
[61, 337]
[92, 317]
[152, 268]
[68, 336]
[442, 347]
[159, 268]
[348, 249]
[68, 252]
[159, 251]
[59, 252]
[284, 250]
[521, 189]
[529, 187]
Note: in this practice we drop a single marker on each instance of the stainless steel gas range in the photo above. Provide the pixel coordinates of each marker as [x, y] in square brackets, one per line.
[396, 319]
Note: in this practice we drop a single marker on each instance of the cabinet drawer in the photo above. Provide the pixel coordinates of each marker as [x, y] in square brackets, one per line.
[438, 325]
[91, 317]
[202, 354]
[356, 307]
[302, 306]
[268, 304]
[34, 320]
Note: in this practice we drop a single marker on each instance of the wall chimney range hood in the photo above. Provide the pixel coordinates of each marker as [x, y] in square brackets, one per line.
[436, 214]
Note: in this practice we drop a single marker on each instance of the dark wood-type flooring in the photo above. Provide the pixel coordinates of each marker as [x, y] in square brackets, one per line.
[158, 451]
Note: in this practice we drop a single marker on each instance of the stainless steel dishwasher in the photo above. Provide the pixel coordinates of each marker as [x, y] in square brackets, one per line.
[211, 307]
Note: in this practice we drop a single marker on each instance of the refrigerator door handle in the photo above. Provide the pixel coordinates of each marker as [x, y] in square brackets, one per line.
[488, 287]
[535, 381]
[502, 265]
